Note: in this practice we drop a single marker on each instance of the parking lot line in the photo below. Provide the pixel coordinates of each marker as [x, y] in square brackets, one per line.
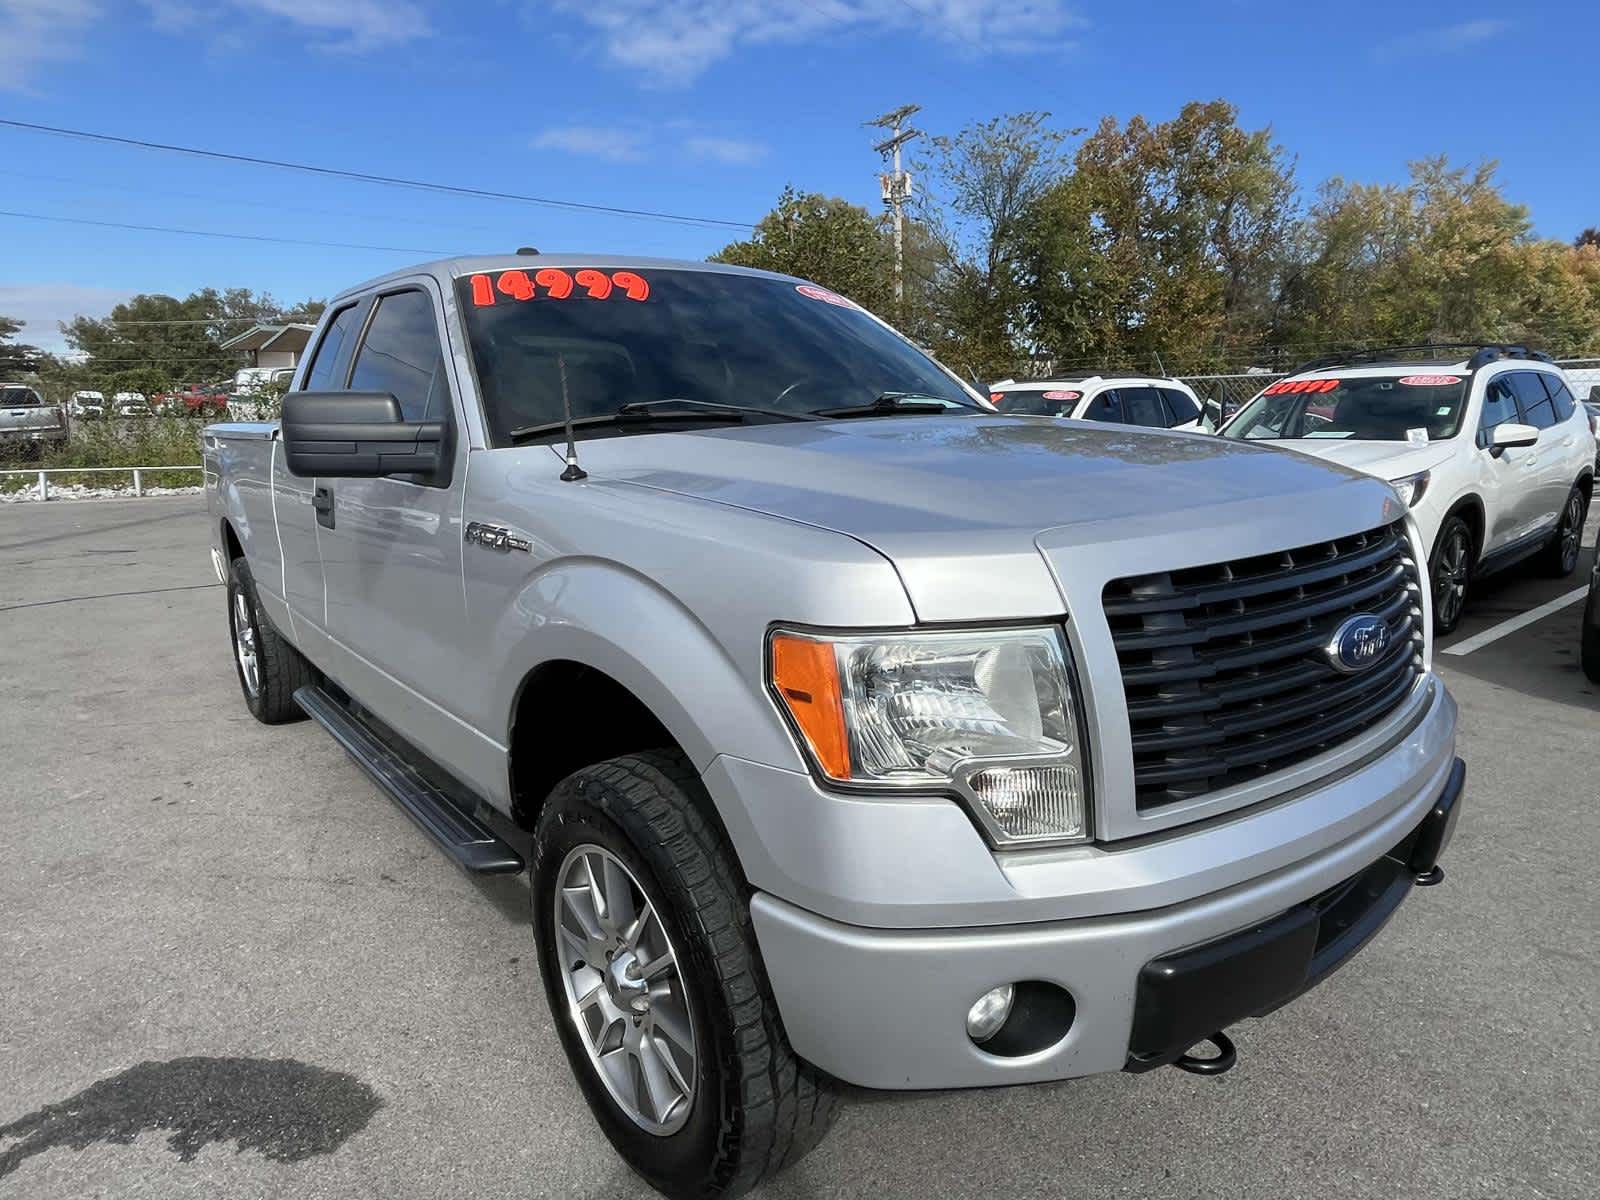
[1495, 632]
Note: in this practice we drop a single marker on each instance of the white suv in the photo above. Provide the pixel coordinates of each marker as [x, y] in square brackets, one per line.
[1491, 451]
[1123, 399]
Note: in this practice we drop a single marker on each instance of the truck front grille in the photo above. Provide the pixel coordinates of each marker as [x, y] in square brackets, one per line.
[1225, 666]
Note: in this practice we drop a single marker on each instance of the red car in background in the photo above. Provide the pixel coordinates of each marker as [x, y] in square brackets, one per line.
[193, 400]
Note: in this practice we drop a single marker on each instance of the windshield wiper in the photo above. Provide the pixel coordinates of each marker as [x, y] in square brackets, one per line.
[890, 404]
[646, 412]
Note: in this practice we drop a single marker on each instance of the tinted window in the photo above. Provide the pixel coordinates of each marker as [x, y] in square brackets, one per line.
[401, 355]
[1051, 402]
[1537, 408]
[320, 376]
[13, 397]
[1565, 404]
[1182, 409]
[657, 334]
[1107, 406]
[1143, 406]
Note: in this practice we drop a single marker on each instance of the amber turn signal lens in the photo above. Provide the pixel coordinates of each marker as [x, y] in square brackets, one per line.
[805, 674]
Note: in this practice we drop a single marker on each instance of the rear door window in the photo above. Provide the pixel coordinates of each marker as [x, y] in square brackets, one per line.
[401, 355]
[1559, 395]
[320, 377]
[1537, 408]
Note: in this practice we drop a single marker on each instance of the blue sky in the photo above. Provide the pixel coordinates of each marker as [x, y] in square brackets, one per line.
[706, 107]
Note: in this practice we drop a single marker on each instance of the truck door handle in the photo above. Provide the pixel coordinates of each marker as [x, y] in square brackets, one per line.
[322, 501]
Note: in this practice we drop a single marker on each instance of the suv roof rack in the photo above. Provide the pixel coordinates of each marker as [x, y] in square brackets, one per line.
[1482, 354]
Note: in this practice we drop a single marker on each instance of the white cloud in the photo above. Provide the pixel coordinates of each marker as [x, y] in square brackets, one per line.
[353, 25]
[673, 41]
[40, 306]
[37, 33]
[733, 151]
[594, 141]
[1461, 36]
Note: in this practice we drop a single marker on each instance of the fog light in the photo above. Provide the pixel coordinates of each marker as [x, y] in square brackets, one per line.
[990, 1012]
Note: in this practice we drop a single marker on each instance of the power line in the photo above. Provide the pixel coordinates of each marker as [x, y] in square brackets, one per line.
[240, 237]
[385, 180]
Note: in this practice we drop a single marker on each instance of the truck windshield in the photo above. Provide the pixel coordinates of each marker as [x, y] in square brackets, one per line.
[16, 397]
[654, 335]
[1383, 408]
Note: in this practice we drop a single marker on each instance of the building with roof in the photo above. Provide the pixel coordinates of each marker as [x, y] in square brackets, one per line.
[272, 346]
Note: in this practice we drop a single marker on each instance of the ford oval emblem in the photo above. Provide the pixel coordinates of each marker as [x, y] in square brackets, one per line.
[1358, 643]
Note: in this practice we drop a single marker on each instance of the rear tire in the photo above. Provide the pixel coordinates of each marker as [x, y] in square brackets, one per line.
[269, 668]
[750, 1106]
[1450, 574]
[1560, 557]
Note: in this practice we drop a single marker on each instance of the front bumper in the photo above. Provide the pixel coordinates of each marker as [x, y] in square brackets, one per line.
[887, 1008]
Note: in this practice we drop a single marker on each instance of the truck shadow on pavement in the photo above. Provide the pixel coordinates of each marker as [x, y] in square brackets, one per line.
[282, 1109]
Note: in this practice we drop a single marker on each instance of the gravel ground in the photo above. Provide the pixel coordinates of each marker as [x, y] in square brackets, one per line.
[229, 967]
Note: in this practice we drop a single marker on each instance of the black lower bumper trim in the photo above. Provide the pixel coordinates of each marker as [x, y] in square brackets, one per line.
[1184, 998]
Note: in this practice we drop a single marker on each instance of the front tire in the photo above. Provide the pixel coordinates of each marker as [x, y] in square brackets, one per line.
[269, 668]
[1560, 558]
[730, 1104]
[1450, 573]
[1591, 630]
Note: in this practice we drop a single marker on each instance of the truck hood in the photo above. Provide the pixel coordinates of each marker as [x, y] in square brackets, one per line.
[984, 516]
[1386, 460]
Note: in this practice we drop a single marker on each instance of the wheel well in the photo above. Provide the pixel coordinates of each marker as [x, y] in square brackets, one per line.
[1469, 510]
[230, 542]
[568, 716]
[1586, 486]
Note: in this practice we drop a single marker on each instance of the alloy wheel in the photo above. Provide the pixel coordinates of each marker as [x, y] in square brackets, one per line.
[1571, 531]
[625, 991]
[1450, 577]
[244, 644]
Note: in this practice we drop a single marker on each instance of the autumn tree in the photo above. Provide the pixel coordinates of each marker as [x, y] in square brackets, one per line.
[822, 238]
[982, 187]
[1163, 245]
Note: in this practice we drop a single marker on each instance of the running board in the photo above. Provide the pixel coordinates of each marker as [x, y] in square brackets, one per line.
[472, 844]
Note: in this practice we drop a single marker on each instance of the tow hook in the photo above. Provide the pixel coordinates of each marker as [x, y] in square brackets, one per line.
[1218, 1064]
[1428, 878]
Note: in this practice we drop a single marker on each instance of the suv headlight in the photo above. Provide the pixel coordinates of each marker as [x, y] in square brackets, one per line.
[1411, 487]
[988, 714]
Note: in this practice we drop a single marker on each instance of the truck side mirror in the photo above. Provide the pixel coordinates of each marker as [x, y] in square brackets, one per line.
[1509, 434]
[358, 435]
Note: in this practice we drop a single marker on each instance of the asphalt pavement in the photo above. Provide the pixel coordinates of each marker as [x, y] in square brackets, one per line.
[230, 967]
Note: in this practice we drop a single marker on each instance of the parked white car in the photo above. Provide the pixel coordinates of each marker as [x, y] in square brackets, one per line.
[1490, 449]
[1122, 399]
[130, 404]
[87, 404]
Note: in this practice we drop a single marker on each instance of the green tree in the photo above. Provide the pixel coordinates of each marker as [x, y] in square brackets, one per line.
[822, 238]
[1163, 245]
[15, 357]
[984, 184]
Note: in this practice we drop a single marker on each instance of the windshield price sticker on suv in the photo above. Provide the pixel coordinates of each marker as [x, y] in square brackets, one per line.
[555, 284]
[1062, 395]
[1428, 380]
[812, 291]
[1301, 385]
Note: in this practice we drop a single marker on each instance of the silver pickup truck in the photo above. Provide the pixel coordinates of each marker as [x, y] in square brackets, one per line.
[859, 732]
[26, 421]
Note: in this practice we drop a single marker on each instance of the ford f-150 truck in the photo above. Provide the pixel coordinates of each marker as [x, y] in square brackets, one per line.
[862, 733]
[26, 421]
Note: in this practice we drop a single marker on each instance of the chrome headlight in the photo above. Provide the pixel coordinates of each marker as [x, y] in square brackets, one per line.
[989, 714]
[1411, 487]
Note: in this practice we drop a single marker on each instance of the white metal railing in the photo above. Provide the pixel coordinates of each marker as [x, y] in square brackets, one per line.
[137, 473]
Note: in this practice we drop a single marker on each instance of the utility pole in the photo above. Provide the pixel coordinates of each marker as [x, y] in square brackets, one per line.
[897, 188]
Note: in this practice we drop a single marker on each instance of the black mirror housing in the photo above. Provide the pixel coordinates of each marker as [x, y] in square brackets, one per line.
[358, 435]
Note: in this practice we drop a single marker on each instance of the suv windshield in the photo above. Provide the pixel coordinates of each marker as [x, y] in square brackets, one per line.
[1374, 408]
[653, 335]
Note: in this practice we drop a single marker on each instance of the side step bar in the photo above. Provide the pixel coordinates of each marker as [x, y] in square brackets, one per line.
[472, 844]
